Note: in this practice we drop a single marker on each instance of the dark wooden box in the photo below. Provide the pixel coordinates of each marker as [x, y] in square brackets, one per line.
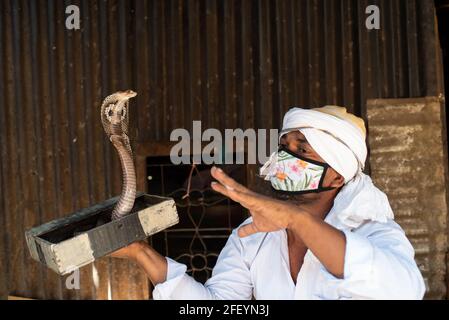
[69, 243]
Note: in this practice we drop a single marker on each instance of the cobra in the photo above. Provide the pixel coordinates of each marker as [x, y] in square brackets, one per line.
[115, 120]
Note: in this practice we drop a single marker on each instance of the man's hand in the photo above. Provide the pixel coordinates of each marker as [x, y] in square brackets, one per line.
[268, 214]
[129, 252]
[152, 263]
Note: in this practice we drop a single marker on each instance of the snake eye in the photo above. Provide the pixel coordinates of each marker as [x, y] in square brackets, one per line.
[110, 113]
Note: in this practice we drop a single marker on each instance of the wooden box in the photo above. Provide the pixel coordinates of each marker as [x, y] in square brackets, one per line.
[69, 243]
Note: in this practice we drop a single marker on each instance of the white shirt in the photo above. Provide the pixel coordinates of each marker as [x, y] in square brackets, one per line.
[379, 264]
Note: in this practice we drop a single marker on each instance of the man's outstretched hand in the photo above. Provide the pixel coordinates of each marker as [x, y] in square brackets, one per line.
[272, 215]
[268, 214]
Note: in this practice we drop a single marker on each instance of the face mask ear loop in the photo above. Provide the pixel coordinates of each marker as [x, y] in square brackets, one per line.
[320, 184]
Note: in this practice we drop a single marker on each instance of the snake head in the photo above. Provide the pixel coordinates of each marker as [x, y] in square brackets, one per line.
[114, 108]
[126, 95]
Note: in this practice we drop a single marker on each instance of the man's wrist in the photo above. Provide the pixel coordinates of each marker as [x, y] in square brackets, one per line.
[297, 220]
[138, 248]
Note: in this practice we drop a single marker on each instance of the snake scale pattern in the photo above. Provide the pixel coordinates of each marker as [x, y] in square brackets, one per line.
[115, 120]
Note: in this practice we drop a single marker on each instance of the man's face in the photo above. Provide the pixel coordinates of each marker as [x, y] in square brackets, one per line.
[296, 142]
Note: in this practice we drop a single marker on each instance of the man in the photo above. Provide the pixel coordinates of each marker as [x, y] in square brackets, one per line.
[331, 237]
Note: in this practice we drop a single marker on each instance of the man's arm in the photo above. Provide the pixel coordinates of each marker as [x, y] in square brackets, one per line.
[326, 242]
[231, 278]
[152, 263]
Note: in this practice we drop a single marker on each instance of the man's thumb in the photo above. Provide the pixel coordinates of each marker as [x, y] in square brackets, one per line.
[247, 230]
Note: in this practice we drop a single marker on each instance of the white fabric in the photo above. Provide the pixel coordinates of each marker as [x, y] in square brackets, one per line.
[333, 152]
[342, 145]
[379, 264]
[358, 201]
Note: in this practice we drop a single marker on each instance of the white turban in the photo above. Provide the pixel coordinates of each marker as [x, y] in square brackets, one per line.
[339, 138]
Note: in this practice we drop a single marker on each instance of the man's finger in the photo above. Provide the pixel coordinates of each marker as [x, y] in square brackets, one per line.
[224, 179]
[247, 230]
[230, 193]
[220, 188]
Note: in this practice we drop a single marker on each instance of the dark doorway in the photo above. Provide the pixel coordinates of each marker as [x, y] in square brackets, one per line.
[442, 9]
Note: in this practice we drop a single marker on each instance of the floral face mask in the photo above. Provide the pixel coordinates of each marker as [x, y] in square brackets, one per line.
[291, 173]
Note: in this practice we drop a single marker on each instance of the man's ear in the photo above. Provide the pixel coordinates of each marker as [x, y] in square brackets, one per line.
[338, 180]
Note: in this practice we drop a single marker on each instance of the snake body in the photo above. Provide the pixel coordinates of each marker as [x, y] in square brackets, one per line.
[115, 120]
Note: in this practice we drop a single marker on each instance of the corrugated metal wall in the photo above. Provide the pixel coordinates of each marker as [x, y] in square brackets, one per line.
[227, 63]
